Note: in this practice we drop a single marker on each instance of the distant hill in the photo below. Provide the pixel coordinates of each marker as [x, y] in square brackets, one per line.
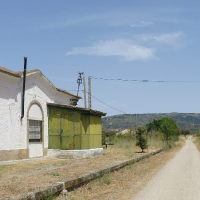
[189, 121]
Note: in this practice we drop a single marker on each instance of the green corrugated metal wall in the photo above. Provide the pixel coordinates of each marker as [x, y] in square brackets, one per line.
[72, 129]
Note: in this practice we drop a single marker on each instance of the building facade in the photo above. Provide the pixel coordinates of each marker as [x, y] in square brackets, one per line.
[29, 136]
[73, 128]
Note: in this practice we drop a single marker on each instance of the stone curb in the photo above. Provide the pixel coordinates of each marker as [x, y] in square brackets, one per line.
[75, 182]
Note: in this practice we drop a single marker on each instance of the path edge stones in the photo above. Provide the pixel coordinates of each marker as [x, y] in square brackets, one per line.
[72, 183]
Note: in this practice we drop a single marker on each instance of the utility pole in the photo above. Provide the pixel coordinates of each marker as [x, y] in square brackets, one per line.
[89, 93]
[85, 98]
[79, 80]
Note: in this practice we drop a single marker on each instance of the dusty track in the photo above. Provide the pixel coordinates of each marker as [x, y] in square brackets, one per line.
[178, 180]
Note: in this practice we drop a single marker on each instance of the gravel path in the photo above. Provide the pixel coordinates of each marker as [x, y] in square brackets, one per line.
[178, 180]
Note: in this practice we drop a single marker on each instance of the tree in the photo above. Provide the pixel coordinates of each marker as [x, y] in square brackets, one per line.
[141, 138]
[169, 129]
[153, 126]
[185, 132]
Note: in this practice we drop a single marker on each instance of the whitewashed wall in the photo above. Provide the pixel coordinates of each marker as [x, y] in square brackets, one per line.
[13, 130]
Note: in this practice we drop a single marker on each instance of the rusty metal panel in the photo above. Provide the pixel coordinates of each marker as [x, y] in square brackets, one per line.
[66, 139]
[54, 131]
[61, 134]
[95, 132]
[73, 129]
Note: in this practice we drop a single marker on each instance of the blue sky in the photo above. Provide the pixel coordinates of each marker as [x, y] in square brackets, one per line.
[154, 40]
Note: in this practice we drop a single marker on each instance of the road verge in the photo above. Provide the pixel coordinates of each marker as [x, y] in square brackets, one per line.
[70, 184]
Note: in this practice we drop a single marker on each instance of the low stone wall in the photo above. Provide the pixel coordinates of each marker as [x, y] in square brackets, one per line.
[75, 182]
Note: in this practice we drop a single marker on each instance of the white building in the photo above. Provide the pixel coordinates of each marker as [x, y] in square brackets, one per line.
[26, 137]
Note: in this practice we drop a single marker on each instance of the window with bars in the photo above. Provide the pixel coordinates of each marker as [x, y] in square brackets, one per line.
[35, 131]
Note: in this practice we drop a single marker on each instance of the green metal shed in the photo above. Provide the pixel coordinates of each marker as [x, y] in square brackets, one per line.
[72, 127]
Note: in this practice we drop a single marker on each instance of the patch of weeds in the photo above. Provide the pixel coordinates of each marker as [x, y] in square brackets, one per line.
[54, 174]
[130, 154]
[11, 188]
[30, 189]
[122, 170]
[74, 191]
[130, 166]
[165, 148]
[128, 146]
[6, 168]
[106, 179]
[50, 197]
[88, 186]
[55, 164]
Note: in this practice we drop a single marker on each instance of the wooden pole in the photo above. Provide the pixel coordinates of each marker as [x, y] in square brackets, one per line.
[89, 93]
[85, 98]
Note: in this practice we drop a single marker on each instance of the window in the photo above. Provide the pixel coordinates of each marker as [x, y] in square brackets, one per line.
[35, 131]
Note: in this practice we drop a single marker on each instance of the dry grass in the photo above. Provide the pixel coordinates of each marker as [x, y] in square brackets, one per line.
[196, 140]
[26, 176]
[125, 183]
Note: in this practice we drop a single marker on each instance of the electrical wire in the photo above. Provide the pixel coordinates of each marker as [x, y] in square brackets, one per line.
[105, 103]
[144, 81]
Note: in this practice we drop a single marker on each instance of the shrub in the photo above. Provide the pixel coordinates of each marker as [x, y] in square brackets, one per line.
[141, 138]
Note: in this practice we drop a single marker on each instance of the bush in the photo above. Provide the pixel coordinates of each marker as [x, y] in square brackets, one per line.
[185, 132]
[198, 134]
[169, 129]
[141, 138]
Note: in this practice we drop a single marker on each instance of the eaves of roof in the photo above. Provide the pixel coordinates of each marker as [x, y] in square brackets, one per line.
[19, 74]
[85, 110]
[9, 72]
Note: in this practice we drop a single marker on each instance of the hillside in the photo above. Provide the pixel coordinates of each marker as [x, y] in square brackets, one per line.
[190, 121]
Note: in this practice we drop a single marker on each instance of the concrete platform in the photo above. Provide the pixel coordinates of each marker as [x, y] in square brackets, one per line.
[77, 154]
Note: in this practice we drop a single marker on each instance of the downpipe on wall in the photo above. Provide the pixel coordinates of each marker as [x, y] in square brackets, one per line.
[23, 89]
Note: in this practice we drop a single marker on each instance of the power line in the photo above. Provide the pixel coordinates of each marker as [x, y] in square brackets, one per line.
[101, 102]
[105, 103]
[144, 81]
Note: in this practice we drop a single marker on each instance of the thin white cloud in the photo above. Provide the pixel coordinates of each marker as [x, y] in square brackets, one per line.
[124, 48]
[73, 21]
[142, 24]
[172, 39]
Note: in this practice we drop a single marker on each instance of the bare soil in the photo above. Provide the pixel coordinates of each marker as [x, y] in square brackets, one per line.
[26, 176]
[125, 183]
[179, 179]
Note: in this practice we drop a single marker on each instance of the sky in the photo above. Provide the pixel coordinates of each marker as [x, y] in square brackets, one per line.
[110, 39]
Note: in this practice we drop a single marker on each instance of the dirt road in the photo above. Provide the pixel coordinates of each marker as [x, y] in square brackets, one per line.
[178, 180]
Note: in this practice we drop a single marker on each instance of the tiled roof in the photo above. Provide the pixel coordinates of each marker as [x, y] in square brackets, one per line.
[28, 71]
[9, 72]
[19, 74]
[86, 110]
